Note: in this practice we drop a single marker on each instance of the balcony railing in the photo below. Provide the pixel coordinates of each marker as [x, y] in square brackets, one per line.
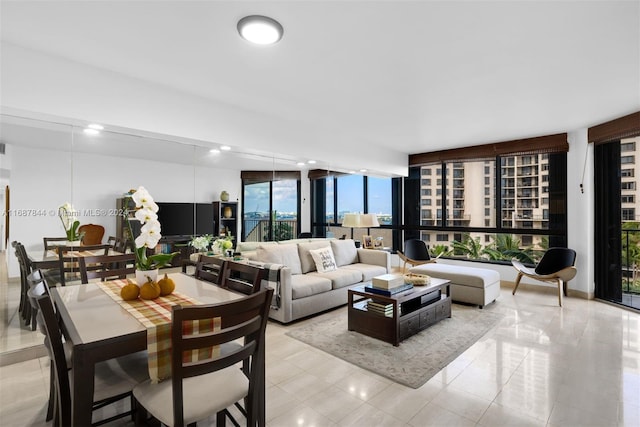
[631, 261]
[257, 230]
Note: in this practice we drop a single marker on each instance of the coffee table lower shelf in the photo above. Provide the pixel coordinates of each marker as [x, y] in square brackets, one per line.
[412, 311]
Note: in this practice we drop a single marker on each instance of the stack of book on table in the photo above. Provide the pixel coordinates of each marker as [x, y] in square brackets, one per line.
[387, 285]
[380, 308]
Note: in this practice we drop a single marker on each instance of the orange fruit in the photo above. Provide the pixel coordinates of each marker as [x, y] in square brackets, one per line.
[166, 285]
[150, 290]
[130, 292]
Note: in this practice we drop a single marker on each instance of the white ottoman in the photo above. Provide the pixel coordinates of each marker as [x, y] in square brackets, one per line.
[472, 285]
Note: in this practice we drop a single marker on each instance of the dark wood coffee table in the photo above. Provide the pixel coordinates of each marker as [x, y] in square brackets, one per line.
[413, 310]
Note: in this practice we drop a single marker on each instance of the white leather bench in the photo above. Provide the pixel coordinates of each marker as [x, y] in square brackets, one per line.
[472, 285]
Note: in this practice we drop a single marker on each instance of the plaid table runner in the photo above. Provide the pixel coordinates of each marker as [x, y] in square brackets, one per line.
[155, 315]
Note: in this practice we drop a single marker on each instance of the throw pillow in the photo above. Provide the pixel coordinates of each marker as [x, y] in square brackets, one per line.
[344, 251]
[324, 259]
[280, 254]
[306, 261]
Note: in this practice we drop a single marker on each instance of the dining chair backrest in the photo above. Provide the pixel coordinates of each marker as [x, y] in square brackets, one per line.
[56, 351]
[37, 287]
[105, 267]
[243, 278]
[243, 320]
[92, 234]
[68, 256]
[118, 244]
[52, 242]
[210, 269]
[25, 270]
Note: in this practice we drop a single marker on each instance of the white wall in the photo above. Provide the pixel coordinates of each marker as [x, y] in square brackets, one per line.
[42, 180]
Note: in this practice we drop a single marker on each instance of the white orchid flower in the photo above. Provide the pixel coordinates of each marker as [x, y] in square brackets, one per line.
[145, 215]
[143, 199]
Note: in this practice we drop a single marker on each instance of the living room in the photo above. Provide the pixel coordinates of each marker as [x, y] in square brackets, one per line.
[350, 100]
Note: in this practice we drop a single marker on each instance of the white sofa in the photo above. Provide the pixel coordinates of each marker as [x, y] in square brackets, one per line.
[302, 289]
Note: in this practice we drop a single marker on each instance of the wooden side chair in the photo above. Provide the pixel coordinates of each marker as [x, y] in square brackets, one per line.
[118, 244]
[25, 269]
[203, 388]
[105, 267]
[243, 278]
[51, 242]
[210, 269]
[415, 253]
[92, 234]
[114, 379]
[68, 267]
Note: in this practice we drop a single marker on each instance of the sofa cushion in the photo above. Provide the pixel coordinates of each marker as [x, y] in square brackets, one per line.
[251, 246]
[306, 261]
[280, 254]
[324, 260]
[340, 278]
[368, 271]
[344, 251]
[305, 285]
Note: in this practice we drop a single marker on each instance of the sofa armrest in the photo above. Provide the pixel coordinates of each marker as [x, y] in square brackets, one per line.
[284, 313]
[375, 257]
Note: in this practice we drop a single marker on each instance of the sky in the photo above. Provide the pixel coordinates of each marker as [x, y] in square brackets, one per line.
[350, 190]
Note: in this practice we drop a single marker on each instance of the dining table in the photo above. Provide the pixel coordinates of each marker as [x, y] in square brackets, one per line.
[100, 328]
[48, 259]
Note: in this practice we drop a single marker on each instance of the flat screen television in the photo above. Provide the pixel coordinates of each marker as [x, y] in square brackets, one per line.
[185, 219]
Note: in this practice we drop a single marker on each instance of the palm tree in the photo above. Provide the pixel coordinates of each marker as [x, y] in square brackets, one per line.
[469, 246]
[508, 247]
[437, 251]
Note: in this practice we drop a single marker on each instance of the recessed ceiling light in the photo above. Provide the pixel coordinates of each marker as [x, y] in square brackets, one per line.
[311, 162]
[214, 151]
[90, 131]
[300, 163]
[352, 171]
[95, 126]
[225, 148]
[363, 170]
[260, 29]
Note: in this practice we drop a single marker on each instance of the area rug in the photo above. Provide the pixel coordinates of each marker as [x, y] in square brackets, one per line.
[417, 359]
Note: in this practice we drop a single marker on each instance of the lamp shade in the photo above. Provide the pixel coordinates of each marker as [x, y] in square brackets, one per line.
[351, 220]
[369, 220]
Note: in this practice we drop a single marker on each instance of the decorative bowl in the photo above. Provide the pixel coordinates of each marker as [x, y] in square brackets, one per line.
[417, 279]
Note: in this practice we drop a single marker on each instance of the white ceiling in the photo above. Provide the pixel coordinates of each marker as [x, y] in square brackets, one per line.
[408, 76]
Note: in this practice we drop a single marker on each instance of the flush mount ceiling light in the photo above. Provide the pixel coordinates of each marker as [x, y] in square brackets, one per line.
[260, 29]
[225, 148]
[93, 129]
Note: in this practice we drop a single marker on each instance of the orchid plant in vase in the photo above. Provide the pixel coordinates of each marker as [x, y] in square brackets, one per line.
[70, 222]
[146, 213]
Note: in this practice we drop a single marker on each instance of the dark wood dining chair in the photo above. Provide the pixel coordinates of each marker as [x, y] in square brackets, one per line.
[51, 242]
[24, 308]
[210, 268]
[243, 278]
[114, 378]
[68, 265]
[92, 234]
[105, 267]
[243, 324]
[118, 244]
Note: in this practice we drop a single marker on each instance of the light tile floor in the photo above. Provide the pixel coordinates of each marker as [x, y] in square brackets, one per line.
[542, 365]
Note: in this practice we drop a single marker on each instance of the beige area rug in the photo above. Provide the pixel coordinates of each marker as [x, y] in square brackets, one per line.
[417, 359]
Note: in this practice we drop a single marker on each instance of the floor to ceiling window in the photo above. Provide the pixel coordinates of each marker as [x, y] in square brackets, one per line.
[617, 210]
[335, 194]
[474, 204]
[270, 206]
